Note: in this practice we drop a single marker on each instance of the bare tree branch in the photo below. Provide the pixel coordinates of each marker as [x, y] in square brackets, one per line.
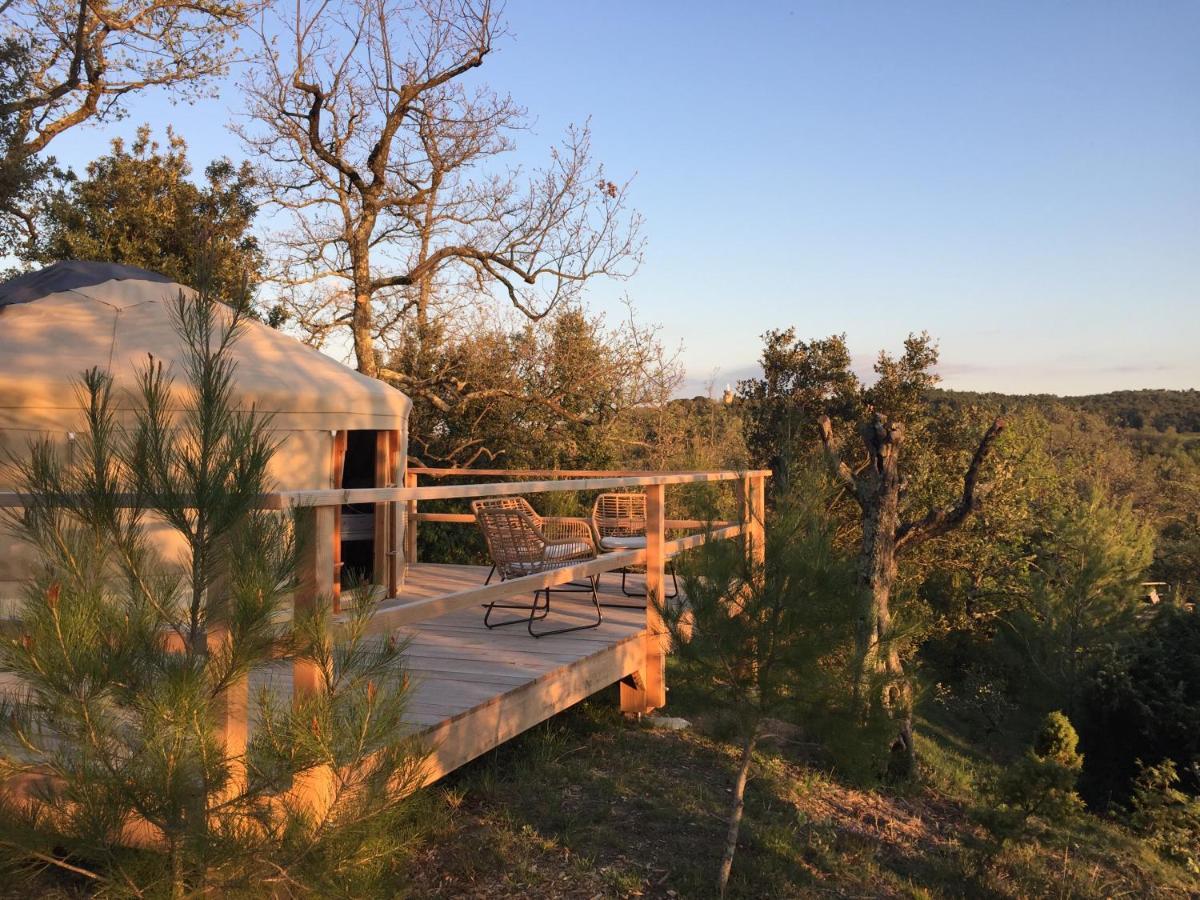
[939, 521]
[87, 56]
[386, 160]
[838, 468]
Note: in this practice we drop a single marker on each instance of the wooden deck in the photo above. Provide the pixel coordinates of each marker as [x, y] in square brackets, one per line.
[475, 688]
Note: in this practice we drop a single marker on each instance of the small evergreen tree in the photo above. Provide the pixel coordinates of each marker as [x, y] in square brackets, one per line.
[1084, 594]
[758, 635]
[128, 662]
[1165, 815]
[1041, 783]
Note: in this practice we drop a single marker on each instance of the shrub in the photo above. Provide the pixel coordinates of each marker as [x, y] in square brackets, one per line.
[1083, 597]
[1166, 816]
[1145, 704]
[129, 663]
[1041, 783]
[755, 631]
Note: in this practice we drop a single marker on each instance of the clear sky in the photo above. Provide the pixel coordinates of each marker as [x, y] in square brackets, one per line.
[1022, 180]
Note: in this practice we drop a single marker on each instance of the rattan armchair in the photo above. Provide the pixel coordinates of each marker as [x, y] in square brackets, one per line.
[556, 528]
[522, 543]
[619, 523]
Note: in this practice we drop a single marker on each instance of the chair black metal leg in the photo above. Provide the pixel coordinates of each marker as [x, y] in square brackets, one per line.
[533, 611]
[624, 572]
[671, 596]
[596, 624]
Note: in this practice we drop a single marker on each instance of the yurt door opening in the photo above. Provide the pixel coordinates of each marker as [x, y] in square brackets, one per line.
[366, 535]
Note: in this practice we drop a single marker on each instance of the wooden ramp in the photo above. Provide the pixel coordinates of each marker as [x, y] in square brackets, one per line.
[475, 688]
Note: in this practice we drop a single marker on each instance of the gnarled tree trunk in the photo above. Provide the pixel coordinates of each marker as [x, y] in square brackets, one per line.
[876, 488]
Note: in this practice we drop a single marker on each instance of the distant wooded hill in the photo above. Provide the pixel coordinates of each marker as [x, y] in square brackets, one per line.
[1159, 410]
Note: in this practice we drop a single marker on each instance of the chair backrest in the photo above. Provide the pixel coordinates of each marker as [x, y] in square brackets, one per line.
[620, 515]
[513, 538]
[506, 503]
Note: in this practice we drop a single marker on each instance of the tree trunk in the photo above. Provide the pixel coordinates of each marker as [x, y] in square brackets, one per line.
[362, 319]
[877, 490]
[735, 813]
[877, 577]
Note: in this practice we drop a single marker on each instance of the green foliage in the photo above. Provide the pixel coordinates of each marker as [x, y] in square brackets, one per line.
[765, 629]
[1159, 410]
[161, 587]
[801, 382]
[1145, 704]
[1042, 782]
[22, 175]
[1165, 815]
[776, 639]
[568, 391]
[902, 382]
[137, 206]
[1083, 594]
[767, 637]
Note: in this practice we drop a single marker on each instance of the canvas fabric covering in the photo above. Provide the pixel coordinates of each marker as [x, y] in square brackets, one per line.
[70, 317]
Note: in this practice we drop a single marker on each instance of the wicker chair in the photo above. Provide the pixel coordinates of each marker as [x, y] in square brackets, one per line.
[619, 523]
[556, 528]
[522, 543]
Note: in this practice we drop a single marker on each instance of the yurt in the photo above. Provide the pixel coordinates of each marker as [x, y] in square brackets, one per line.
[335, 427]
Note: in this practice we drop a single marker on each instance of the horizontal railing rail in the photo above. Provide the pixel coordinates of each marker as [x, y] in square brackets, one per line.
[469, 519]
[343, 496]
[291, 499]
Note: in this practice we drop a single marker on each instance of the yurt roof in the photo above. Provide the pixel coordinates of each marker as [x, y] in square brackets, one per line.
[59, 321]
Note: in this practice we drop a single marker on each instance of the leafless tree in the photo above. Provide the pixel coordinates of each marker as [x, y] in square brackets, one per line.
[389, 160]
[86, 57]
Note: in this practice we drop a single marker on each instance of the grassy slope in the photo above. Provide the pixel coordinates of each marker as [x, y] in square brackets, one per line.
[588, 805]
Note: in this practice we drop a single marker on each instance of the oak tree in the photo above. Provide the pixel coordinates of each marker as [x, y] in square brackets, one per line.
[877, 485]
[137, 206]
[390, 159]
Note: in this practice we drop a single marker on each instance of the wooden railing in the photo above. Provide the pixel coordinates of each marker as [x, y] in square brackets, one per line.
[317, 517]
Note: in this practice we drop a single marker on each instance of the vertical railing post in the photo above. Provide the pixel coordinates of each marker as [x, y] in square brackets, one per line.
[752, 508]
[757, 508]
[382, 511]
[410, 527]
[651, 691]
[233, 716]
[741, 489]
[396, 516]
[315, 525]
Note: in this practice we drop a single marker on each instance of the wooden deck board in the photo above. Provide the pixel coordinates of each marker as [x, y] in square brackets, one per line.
[473, 688]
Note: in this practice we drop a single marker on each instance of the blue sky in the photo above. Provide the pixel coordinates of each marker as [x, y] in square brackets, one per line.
[1022, 180]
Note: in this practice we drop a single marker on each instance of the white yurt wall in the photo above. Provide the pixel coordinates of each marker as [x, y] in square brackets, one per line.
[72, 316]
